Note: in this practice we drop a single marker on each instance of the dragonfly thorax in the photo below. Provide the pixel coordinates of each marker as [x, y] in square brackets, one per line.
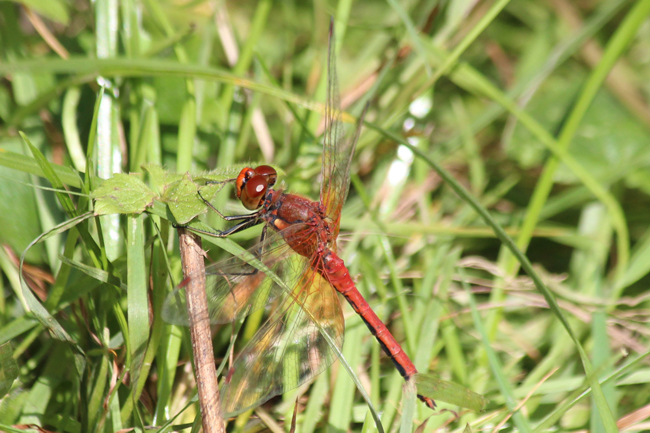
[290, 210]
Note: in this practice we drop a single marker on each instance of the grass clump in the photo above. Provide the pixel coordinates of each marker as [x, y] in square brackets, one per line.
[497, 220]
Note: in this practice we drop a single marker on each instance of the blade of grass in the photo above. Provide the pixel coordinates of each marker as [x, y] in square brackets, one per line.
[157, 67]
[341, 405]
[98, 274]
[8, 368]
[246, 56]
[408, 407]
[585, 390]
[314, 410]
[97, 394]
[187, 124]
[450, 60]
[186, 134]
[412, 32]
[108, 157]
[168, 337]
[17, 326]
[50, 174]
[495, 364]
[137, 309]
[566, 48]
[29, 165]
[70, 130]
[448, 332]
[471, 36]
[639, 262]
[409, 328]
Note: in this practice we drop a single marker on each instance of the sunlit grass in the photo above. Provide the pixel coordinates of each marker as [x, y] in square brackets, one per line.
[523, 139]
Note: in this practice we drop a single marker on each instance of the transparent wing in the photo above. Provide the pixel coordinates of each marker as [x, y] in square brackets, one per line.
[235, 287]
[289, 349]
[337, 151]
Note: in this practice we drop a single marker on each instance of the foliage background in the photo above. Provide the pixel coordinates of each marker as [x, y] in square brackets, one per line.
[490, 91]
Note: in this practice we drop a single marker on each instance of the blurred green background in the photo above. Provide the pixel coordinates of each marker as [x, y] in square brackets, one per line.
[539, 109]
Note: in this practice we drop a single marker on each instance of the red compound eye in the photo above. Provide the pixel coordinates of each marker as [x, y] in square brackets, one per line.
[252, 185]
[268, 172]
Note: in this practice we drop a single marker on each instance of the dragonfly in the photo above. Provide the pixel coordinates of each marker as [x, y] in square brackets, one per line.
[299, 248]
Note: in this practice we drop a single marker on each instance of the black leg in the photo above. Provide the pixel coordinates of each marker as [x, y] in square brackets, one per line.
[225, 233]
[262, 237]
[228, 217]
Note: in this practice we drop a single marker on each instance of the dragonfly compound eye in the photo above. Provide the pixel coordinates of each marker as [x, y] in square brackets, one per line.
[268, 172]
[254, 191]
[242, 180]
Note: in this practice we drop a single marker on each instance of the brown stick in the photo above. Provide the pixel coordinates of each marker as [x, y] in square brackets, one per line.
[197, 305]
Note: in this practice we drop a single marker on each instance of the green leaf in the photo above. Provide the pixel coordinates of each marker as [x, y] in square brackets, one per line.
[122, 194]
[28, 164]
[159, 178]
[448, 392]
[50, 174]
[20, 224]
[96, 273]
[183, 199]
[138, 306]
[8, 368]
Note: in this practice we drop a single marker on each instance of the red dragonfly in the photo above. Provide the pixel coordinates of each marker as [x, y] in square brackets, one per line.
[300, 249]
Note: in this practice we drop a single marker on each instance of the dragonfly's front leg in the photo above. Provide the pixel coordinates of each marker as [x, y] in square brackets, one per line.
[227, 217]
[246, 221]
[249, 222]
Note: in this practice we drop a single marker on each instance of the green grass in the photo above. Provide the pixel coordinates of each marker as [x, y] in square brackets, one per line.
[508, 251]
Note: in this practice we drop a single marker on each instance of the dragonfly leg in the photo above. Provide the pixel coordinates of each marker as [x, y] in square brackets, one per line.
[263, 235]
[249, 222]
[228, 217]
[260, 251]
[225, 233]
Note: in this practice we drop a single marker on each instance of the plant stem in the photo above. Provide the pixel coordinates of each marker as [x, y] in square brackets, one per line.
[192, 255]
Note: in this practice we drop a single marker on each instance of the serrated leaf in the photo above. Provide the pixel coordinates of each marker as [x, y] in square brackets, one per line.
[159, 178]
[221, 176]
[122, 194]
[183, 199]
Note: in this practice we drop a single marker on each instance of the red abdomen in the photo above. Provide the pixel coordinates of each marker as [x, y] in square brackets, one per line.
[338, 275]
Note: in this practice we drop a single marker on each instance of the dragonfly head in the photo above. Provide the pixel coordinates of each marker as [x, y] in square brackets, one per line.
[253, 184]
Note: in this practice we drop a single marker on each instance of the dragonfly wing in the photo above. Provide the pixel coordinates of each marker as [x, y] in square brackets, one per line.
[289, 349]
[236, 287]
[337, 151]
